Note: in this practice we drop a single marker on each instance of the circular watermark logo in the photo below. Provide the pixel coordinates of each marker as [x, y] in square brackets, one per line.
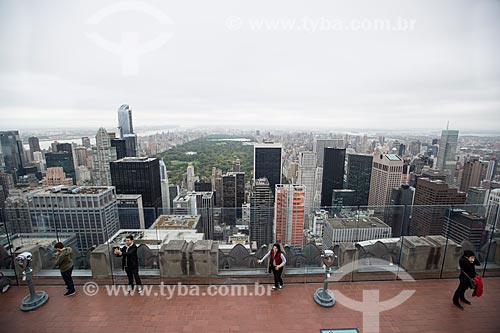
[90, 288]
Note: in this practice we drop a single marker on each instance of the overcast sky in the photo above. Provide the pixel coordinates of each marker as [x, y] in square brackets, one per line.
[209, 63]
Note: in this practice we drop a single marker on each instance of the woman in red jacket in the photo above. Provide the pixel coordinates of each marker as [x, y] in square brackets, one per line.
[468, 271]
[276, 264]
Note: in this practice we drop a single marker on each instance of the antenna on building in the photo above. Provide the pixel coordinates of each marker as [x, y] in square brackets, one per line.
[448, 125]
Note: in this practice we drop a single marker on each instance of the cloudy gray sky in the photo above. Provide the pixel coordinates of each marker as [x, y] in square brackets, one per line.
[289, 63]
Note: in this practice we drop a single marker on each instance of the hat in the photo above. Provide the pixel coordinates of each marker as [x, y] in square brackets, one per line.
[468, 253]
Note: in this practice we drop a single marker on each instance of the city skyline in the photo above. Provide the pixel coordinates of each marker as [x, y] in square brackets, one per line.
[206, 73]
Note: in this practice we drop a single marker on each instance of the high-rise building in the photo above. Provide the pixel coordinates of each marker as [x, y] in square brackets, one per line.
[11, 149]
[359, 172]
[398, 214]
[125, 120]
[202, 186]
[289, 214]
[494, 207]
[386, 174]
[121, 148]
[34, 144]
[89, 212]
[64, 160]
[432, 197]
[293, 170]
[130, 211]
[267, 163]
[460, 225]
[190, 177]
[307, 178]
[261, 213]
[165, 193]
[55, 176]
[86, 142]
[233, 196]
[173, 192]
[353, 229]
[473, 173]
[492, 169]
[333, 174]
[237, 165]
[139, 175]
[342, 198]
[17, 214]
[320, 145]
[447, 161]
[197, 203]
[476, 200]
[103, 155]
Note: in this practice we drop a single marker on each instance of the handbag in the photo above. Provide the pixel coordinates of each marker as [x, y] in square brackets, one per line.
[473, 283]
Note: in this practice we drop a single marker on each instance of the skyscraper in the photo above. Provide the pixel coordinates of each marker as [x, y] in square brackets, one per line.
[267, 163]
[386, 174]
[86, 141]
[333, 174]
[12, 151]
[359, 172]
[233, 196]
[289, 214]
[492, 169]
[64, 160]
[34, 144]
[320, 145]
[103, 154]
[307, 178]
[139, 175]
[473, 173]
[460, 225]
[261, 213]
[55, 176]
[397, 215]
[431, 200]
[165, 193]
[190, 177]
[125, 120]
[447, 161]
[90, 212]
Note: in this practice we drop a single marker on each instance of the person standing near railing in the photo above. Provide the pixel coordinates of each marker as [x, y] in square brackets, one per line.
[276, 263]
[467, 273]
[65, 263]
[130, 263]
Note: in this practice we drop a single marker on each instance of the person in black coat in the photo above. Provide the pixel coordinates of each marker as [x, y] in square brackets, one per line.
[467, 271]
[130, 263]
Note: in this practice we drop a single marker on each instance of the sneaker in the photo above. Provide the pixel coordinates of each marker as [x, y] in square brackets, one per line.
[129, 289]
[281, 286]
[274, 288]
[458, 306]
[139, 289]
[70, 293]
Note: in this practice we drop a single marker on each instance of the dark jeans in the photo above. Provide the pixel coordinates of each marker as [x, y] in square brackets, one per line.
[462, 287]
[133, 273]
[68, 280]
[278, 281]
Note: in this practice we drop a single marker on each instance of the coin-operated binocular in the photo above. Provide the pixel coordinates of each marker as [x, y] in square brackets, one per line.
[323, 296]
[35, 299]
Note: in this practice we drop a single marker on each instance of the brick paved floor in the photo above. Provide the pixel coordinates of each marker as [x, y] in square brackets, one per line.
[292, 309]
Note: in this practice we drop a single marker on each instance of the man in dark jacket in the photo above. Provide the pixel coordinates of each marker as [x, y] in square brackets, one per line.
[65, 263]
[468, 271]
[130, 263]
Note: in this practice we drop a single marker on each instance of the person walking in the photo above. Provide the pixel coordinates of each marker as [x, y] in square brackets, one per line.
[467, 272]
[130, 263]
[65, 263]
[276, 263]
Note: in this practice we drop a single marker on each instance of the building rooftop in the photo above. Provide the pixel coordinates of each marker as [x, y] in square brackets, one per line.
[155, 238]
[428, 310]
[63, 189]
[176, 222]
[135, 160]
[357, 222]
